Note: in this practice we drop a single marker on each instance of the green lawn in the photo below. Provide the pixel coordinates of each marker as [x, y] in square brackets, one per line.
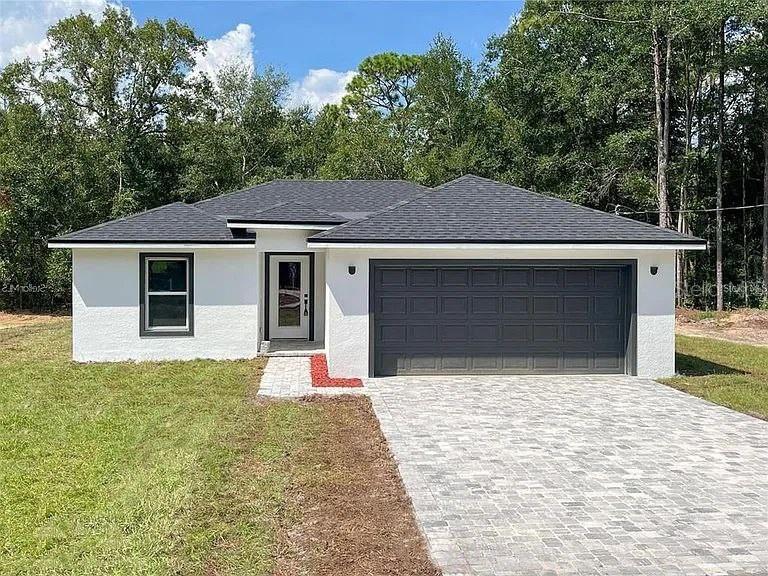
[149, 468]
[734, 375]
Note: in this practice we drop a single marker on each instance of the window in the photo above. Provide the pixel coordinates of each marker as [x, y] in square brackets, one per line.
[166, 300]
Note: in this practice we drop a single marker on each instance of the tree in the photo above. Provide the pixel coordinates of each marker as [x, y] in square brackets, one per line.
[568, 127]
[123, 83]
[719, 170]
[384, 83]
[85, 136]
[448, 116]
[753, 59]
[362, 147]
[238, 140]
[384, 87]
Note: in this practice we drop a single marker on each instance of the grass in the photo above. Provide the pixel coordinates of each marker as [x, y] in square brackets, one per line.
[733, 375]
[145, 468]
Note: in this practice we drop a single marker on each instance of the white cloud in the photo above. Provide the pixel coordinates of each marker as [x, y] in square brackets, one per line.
[320, 87]
[23, 25]
[235, 46]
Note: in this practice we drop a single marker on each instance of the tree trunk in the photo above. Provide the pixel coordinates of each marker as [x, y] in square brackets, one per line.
[661, 89]
[666, 221]
[720, 120]
[744, 243]
[691, 96]
[765, 212]
[682, 227]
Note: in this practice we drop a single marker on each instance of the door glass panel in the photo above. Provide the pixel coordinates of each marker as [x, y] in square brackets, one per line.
[289, 294]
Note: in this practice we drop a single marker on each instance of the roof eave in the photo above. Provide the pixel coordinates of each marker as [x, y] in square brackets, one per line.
[72, 243]
[693, 244]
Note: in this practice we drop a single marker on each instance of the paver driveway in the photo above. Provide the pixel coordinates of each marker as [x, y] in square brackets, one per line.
[593, 475]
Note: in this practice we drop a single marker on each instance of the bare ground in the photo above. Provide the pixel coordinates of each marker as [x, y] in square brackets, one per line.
[17, 319]
[745, 326]
[354, 516]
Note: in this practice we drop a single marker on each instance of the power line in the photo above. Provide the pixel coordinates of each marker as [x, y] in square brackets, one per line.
[689, 211]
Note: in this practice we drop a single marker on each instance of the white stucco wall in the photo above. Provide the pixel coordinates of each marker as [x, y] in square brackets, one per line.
[105, 310]
[228, 299]
[347, 325]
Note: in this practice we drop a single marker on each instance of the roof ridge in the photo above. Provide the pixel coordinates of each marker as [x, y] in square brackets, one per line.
[397, 204]
[250, 188]
[510, 196]
[246, 189]
[220, 219]
[124, 218]
[305, 205]
[348, 180]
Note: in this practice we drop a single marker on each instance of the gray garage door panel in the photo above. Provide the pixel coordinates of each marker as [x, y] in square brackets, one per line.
[505, 317]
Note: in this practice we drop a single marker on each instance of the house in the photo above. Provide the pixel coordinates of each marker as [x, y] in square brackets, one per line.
[389, 277]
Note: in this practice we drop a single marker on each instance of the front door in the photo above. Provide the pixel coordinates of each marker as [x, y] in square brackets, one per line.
[289, 296]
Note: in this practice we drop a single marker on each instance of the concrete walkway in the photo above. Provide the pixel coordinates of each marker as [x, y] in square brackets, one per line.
[578, 475]
[289, 377]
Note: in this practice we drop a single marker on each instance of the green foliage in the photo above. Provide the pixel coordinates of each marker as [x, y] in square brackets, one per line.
[85, 136]
[384, 83]
[115, 120]
[364, 146]
[449, 118]
[585, 134]
[239, 139]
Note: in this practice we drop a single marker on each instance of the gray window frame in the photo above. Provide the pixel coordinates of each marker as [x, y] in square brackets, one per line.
[189, 329]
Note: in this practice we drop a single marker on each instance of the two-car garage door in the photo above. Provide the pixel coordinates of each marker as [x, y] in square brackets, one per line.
[500, 317]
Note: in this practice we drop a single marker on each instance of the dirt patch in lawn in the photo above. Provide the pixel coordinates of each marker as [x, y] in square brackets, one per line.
[747, 326]
[17, 319]
[354, 516]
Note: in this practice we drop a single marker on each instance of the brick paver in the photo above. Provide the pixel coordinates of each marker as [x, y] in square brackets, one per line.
[289, 377]
[578, 475]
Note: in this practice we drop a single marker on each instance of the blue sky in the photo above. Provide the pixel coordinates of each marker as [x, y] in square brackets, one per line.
[298, 36]
[318, 44]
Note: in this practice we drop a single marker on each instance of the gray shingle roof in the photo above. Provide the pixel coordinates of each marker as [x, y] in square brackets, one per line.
[471, 209]
[292, 213]
[175, 223]
[467, 210]
[347, 198]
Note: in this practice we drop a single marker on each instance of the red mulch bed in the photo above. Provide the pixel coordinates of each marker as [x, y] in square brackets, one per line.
[320, 378]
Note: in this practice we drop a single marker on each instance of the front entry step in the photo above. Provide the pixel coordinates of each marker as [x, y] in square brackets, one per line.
[278, 347]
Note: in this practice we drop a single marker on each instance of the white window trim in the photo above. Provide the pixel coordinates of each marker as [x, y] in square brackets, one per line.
[148, 293]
